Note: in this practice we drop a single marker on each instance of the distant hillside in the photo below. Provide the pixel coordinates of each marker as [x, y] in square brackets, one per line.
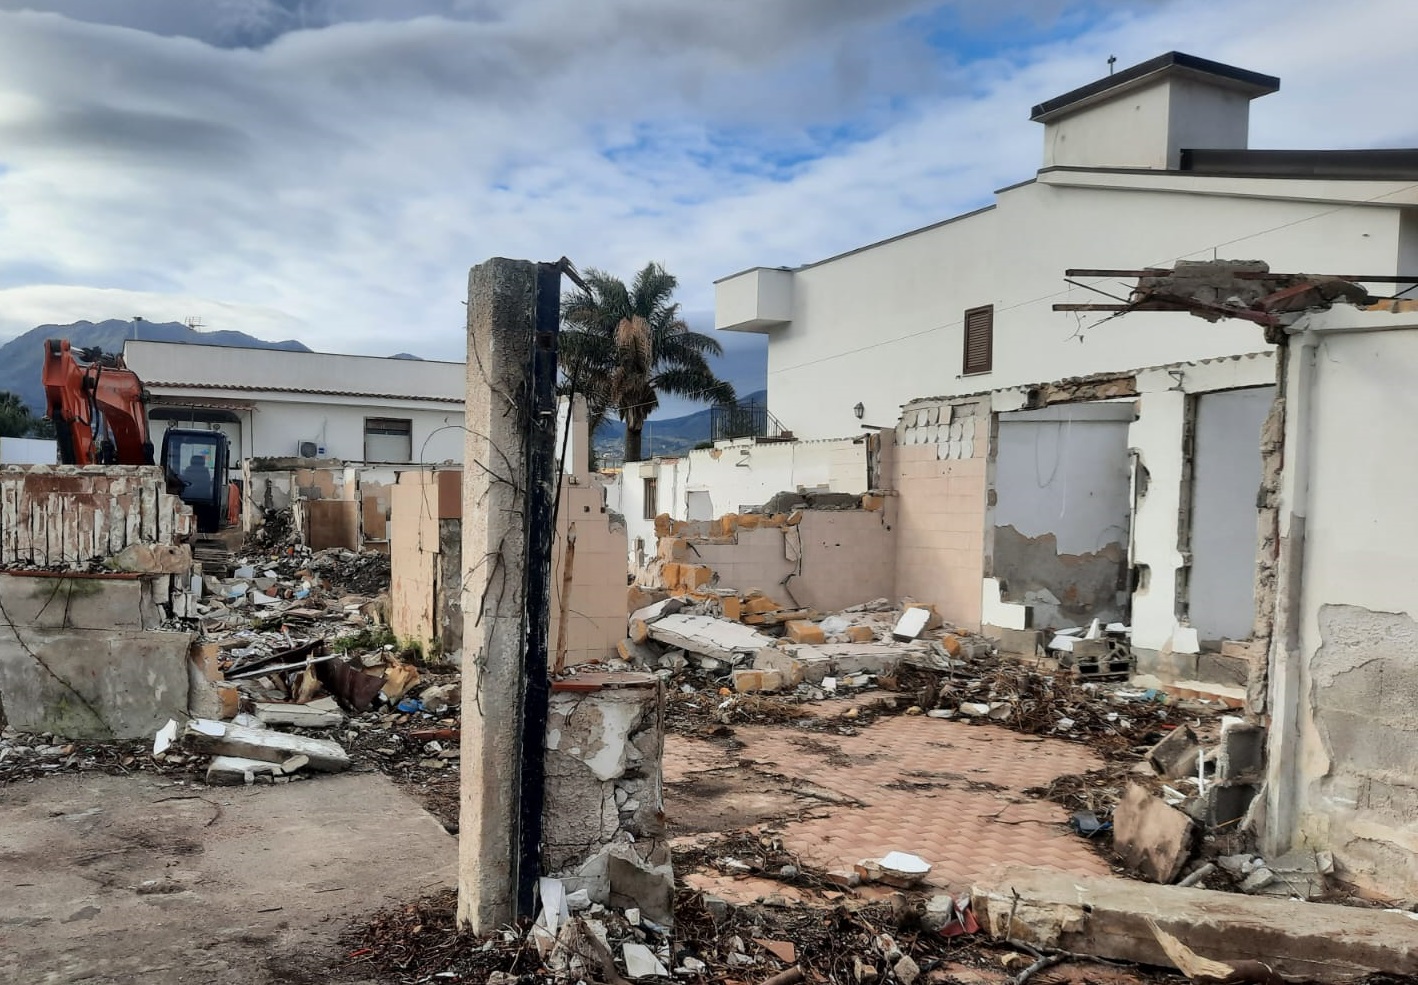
[672, 436]
[21, 358]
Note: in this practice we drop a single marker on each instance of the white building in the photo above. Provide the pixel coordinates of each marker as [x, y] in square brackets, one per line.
[1141, 168]
[273, 403]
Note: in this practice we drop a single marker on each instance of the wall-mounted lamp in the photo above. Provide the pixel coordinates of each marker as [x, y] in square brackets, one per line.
[859, 410]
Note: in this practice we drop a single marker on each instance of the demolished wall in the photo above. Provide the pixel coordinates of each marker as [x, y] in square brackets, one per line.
[734, 477]
[821, 559]
[426, 568]
[69, 515]
[603, 821]
[1060, 512]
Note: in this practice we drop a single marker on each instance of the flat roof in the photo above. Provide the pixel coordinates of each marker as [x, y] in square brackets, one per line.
[1253, 82]
[1393, 164]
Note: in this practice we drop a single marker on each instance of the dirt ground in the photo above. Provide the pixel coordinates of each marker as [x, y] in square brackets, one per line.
[139, 879]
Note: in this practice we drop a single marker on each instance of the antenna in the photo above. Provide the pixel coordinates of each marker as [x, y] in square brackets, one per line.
[195, 323]
[1112, 60]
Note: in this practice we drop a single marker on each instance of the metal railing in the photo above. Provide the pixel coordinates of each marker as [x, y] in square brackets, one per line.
[743, 420]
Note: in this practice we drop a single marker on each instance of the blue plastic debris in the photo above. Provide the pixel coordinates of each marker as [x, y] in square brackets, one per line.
[410, 705]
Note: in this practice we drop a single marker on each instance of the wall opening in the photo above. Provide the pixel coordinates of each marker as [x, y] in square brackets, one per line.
[699, 505]
[1221, 535]
[1062, 511]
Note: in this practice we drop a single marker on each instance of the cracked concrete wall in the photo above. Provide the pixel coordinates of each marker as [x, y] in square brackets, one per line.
[82, 657]
[1343, 681]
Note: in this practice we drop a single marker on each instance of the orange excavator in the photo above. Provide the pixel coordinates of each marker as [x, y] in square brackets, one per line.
[99, 410]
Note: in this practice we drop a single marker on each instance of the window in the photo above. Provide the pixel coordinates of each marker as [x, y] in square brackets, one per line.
[979, 340]
[388, 439]
[652, 499]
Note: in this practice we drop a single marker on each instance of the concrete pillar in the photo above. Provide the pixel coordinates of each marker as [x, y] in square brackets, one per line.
[501, 296]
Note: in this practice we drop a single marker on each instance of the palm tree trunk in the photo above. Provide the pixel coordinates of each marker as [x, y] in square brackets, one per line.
[632, 443]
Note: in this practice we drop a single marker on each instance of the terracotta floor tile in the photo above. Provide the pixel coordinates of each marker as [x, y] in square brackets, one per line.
[947, 791]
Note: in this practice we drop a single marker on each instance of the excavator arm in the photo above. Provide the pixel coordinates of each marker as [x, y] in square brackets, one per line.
[96, 406]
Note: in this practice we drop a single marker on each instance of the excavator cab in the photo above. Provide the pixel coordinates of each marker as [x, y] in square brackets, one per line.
[196, 465]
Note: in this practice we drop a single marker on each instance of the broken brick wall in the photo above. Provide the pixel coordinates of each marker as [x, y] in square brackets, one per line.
[1343, 687]
[66, 515]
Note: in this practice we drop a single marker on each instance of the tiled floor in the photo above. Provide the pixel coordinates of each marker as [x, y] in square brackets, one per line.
[947, 791]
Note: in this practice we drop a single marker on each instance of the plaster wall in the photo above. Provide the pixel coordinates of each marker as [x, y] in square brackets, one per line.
[1061, 512]
[883, 325]
[1127, 131]
[1226, 475]
[1344, 668]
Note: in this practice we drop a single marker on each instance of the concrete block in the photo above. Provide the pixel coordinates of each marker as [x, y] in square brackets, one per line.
[733, 607]
[802, 631]
[1242, 753]
[172, 559]
[863, 658]
[1177, 754]
[860, 634]
[639, 654]
[1108, 917]
[1024, 642]
[1153, 839]
[802, 665]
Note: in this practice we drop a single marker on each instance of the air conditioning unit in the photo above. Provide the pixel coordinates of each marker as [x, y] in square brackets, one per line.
[310, 449]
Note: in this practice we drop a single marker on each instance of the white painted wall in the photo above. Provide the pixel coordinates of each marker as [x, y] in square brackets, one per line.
[1129, 131]
[1225, 481]
[1156, 440]
[28, 451]
[882, 325]
[734, 476]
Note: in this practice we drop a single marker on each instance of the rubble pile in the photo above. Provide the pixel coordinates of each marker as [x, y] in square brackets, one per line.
[735, 658]
[830, 933]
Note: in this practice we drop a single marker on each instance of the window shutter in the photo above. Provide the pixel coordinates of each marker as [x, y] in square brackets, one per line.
[979, 340]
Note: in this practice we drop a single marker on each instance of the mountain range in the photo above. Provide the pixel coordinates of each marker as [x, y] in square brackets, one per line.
[672, 436]
[22, 358]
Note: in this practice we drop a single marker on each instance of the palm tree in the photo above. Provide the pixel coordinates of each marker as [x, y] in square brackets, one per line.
[624, 346]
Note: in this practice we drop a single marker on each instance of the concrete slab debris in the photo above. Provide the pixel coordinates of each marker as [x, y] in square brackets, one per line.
[1153, 839]
[320, 713]
[1176, 755]
[1109, 918]
[225, 739]
[717, 638]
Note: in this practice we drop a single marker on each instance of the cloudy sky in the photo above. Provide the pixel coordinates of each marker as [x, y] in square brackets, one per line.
[328, 169]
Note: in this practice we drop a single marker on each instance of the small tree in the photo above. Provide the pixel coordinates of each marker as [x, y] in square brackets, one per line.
[15, 418]
[624, 346]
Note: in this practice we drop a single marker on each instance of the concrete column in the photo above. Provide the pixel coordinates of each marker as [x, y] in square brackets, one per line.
[501, 297]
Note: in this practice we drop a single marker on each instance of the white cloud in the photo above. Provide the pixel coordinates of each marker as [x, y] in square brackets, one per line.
[334, 183]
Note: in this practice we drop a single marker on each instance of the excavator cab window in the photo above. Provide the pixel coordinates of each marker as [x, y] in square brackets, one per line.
[196, 463]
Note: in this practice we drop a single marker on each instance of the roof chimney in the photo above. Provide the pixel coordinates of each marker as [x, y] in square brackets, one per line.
[1143, 116]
